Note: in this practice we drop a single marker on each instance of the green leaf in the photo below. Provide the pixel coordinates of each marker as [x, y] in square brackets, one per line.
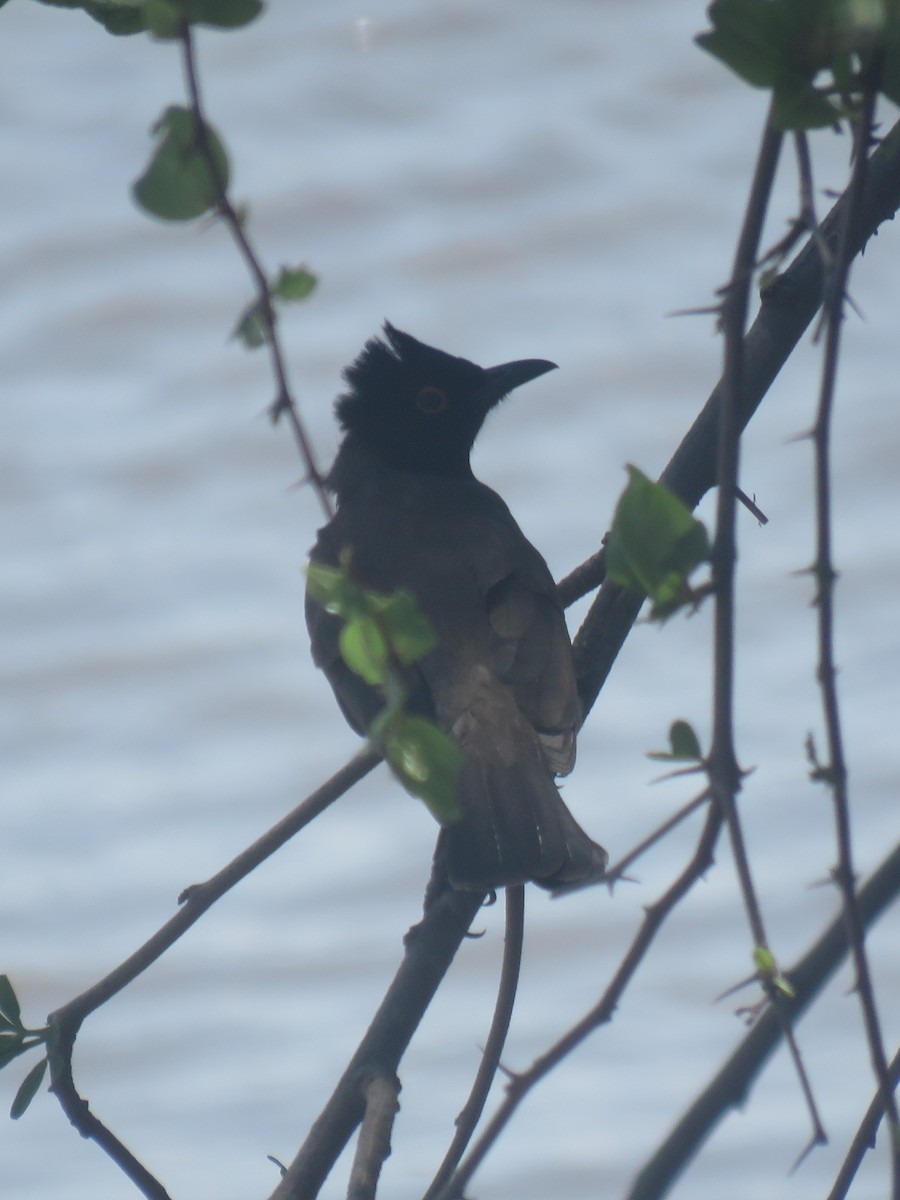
[221, 14]
[335, 590]
[364, 649]
[177, 184]
[799, 106]
[684, 745]
[426, 761]
[119, 17]
[252, 328]
[890, 68]
[11, 1046]
[408, 631]
[9, 1003]
[743, 38]
[764, 961]
[163, 18]
[654, 544]
[294, 283]
[28, 1089]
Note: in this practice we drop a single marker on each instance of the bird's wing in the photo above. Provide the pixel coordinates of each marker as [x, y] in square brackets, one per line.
[533, 655]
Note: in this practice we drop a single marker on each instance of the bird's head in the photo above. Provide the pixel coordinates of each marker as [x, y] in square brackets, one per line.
[419, 409]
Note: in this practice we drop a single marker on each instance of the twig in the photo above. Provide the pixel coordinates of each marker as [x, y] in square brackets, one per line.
[724, 772]
[836, 773]
[733, 1080]
[373, 1147]
[89, 1126]
[284, 403]
[66, 1021]
[490, 1059]
[521, 1084]
[617, 870]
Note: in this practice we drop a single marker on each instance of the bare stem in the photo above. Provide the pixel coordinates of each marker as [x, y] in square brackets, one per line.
[490, 1059]
[836, 772]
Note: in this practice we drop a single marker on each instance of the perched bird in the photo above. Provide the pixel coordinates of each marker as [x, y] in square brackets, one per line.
[500, 679]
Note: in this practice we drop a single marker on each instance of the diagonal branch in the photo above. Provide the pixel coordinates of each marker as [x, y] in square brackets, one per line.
[729, 1088]
[787, 308]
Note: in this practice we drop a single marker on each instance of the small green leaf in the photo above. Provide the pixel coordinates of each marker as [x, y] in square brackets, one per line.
[177, 184]
[336, 591]
[252, 328]
[654, 544]
[294, 283]
[9, 1003]
[784, 986]
[28, 1090]
[684, 745]
[764, 961]
[426, 761]
[364, 649]
[408, 631]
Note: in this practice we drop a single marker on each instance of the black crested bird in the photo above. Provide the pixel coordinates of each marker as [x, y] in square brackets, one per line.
[500, 679]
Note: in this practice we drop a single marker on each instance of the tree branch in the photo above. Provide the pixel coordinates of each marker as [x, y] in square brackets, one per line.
[787, 308]
[731, 1084]
[430, 948]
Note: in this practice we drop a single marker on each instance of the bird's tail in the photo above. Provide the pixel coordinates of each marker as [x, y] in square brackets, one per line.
[514, 828]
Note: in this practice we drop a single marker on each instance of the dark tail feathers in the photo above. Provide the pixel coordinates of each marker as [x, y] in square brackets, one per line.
[515, 828]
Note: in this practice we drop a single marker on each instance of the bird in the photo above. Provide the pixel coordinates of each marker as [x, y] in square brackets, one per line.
[500, 678]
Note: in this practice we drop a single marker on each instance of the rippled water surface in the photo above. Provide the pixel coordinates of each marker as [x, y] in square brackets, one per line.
[506, 180]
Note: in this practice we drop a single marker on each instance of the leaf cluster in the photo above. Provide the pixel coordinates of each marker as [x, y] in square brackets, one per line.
[16, 1039]
[380, 636]
[813, 55]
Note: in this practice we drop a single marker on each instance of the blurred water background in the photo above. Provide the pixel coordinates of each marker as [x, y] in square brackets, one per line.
[514, 179]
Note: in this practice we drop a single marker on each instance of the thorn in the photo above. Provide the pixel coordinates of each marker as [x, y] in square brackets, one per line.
[736, 987]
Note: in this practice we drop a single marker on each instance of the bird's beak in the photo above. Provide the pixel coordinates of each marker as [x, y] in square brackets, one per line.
[500, 381]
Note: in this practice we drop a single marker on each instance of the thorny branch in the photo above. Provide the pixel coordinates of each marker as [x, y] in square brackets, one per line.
[835, 774]
[284, 403]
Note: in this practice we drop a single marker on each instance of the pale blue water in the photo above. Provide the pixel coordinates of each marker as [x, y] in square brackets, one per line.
[505, 180]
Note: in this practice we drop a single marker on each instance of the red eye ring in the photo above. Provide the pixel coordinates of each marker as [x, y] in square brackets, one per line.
[430, 399]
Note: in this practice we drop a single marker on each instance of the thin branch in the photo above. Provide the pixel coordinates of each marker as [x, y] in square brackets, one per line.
[490, 1059]
[864, 1139]
[200, 896]
[520, 1085]
[66, 1021]
[836, 772]
[373, 1147]
[89, 1126]
[732, 1082]
[724, 772]
[429, 950]
[618, 869]
[284, 403]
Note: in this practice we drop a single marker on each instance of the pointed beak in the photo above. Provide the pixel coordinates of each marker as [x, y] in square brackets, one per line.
[500, 381]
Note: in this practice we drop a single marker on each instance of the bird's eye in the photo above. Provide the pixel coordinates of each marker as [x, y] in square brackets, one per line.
[431, 399]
